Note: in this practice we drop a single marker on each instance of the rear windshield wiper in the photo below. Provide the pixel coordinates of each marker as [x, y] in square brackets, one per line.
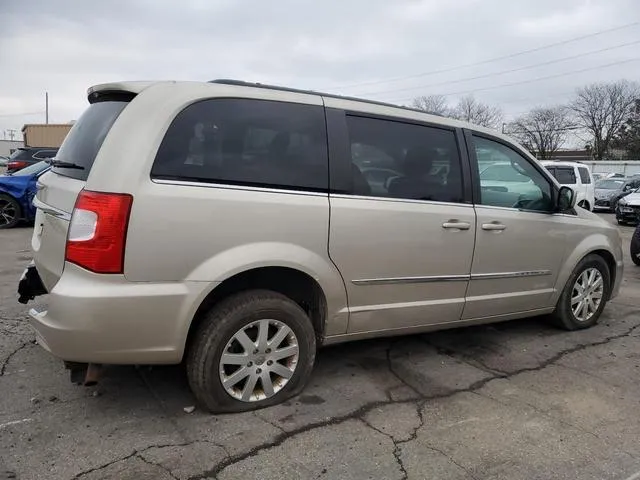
[61, 164]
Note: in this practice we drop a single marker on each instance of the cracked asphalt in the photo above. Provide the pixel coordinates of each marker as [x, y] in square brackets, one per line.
[518, 400]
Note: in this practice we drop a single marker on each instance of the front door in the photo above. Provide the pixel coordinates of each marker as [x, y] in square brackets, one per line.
[520, 245]
[401, 231]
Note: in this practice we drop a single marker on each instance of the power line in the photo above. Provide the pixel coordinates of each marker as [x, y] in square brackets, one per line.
[549, 130]
[490, 60]
[532, 80]
[512, 70]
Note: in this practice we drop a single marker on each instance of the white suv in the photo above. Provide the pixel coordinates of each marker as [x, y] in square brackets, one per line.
[576, 176]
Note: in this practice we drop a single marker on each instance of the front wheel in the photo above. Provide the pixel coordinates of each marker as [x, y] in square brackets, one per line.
[9, 212]
[635, 246]
[253, 350]
[585, 294]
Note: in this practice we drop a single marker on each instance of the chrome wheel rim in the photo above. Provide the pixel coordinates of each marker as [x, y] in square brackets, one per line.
[259, 360]
[8, 212]
[587, 294]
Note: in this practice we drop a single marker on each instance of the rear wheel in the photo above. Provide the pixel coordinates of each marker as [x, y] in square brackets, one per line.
[584, 204]
[585, 294]
[635, 246]
[9, 211]
[253, 350]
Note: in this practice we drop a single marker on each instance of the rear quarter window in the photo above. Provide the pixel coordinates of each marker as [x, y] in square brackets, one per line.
[246, 142]
[584, 175]
[83, 142]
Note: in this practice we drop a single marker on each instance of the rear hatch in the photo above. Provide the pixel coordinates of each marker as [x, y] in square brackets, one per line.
[59, 188]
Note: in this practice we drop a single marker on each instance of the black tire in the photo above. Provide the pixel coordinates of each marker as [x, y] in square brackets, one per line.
[563, 315]
[621, 222]
[10, 212]
[634, 249]
[584, 204]
[221, 323]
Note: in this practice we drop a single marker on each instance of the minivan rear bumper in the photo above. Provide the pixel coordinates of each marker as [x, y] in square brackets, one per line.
[96, 318]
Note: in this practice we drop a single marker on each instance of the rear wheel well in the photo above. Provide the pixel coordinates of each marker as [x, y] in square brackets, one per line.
[294, 284]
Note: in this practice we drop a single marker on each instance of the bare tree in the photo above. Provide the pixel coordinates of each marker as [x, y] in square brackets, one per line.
[601, 109]
[436, 104]
[543, 130]
[471, 110]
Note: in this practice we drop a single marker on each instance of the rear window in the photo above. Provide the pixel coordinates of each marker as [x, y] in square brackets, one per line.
[564, 175]
[246, 142]
[84, 140]
[21, 154]
[584, 175]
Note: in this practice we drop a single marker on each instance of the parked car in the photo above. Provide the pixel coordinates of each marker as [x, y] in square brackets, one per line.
[236, 233]
[634, 248]
[16, 193]
[609, 192]
[628, 208]
[576, 176]
[25, 156]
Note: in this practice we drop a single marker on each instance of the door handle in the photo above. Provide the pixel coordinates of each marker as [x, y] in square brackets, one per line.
[493, 226]
[454, 224]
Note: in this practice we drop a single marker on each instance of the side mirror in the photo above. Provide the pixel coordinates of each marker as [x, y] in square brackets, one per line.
[566, 199]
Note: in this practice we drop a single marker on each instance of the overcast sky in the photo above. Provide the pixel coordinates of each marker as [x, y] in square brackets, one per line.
[391, 50]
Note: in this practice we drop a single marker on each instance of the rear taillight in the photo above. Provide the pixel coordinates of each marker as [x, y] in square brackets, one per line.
[98, 231]
[16, 165]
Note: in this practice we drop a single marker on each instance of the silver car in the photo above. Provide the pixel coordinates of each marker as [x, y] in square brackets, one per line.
[230, 226]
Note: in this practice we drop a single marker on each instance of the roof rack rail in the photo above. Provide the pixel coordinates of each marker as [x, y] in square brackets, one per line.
[241, 83]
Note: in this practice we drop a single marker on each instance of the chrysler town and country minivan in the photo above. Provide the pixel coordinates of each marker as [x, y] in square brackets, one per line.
[237, 227]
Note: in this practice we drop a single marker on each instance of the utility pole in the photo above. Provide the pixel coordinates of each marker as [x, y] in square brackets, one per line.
[46, 107]
[12, 133]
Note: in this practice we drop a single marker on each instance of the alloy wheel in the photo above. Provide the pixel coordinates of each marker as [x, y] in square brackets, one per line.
[259, 360]
[8, 212]
[587, 294]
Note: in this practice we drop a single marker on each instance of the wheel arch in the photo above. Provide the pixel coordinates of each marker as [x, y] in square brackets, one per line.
[595, 245]
[299, 286]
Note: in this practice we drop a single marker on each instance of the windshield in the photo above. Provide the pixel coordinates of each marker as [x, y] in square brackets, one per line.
[32, 169]
[609, 184]
[503, 173]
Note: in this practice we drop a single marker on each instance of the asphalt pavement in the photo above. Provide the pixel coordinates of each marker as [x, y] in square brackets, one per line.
[517, 400]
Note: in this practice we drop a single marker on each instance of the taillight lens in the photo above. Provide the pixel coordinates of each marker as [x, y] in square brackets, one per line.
[98, 231]
[16, 165]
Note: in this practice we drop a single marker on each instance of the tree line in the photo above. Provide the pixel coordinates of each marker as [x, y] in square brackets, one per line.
[607, 114]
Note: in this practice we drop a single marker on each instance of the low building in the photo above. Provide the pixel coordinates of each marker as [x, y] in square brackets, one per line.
[45, 135]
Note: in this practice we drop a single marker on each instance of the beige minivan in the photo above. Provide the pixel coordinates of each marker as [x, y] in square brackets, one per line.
[237, 227]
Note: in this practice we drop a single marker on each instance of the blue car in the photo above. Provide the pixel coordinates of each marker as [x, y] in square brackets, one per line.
[16, 194]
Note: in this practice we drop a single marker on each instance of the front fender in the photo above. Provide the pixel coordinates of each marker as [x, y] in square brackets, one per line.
[589, 244]
[247, 257]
